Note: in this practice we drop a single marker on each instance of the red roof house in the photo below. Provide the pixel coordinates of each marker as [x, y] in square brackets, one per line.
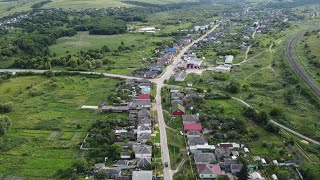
[192, 127]
[144, 96]
[209, 171]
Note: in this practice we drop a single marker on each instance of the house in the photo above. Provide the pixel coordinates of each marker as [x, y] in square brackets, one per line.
[123, 178]
[180, 76]
[143, 130]
[228, 59]
[223, 68]
[98, 167]
[143, 162]
[143, 138]
[189, 119]
[127, 135]
[193, 134]
[204, 158]
[144, 121]
[194, 63]
[199, 143]
[263, 161]
[226, 163]
[209, 171]
[142, 151]
[119, 130]
[144, 97]
[176, 95]
[121, 164]
[115, 109]
[112, 173]
[142, 175]
[274, 177]
[173, 50]
[222, 153]
[275, 162]
[246, 150]
[235, 168]
[192, 127]
[90, 107]
[143, 103]
[125, 155]
[229, 145]
[178, 110]
[246, 38]
[256, 176]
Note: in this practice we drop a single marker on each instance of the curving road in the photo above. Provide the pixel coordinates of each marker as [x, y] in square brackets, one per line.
[298, 70]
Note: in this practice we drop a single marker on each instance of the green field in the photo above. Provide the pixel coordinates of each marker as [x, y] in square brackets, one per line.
[47, 128]
[83, 4]
[142, 46]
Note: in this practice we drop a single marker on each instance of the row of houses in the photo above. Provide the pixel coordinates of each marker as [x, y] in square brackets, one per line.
[211, 160]
[136, 152]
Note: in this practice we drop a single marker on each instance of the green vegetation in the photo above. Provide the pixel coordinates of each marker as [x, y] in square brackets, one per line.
[306, 51]
[47, 124]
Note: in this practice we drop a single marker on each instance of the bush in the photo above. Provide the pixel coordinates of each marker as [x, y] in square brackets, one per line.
[6, 108]
[233, 87]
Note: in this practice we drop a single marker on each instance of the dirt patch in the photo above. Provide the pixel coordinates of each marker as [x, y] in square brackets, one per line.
[78, 44]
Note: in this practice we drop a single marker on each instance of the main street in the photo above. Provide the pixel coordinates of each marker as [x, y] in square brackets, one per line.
[167, 171]
[169, 71]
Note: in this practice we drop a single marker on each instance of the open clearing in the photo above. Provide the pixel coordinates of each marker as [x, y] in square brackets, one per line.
[47, 128]
[142, 46]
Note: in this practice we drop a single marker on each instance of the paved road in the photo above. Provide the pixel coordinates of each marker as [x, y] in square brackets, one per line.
[81, 72]
[282, 126]
[169, 71]
[167, 172]
[298, 70]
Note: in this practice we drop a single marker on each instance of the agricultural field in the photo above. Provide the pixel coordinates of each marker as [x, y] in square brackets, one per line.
[47, 123]
[11, 7]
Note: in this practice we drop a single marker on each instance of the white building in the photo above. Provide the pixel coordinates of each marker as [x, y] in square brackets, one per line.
[142, 175]
[228, 60]
[223, 68]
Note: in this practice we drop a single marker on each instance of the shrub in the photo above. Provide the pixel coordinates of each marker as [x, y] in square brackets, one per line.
[5, 108]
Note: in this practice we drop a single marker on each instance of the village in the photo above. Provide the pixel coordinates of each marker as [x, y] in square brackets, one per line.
[137, 159]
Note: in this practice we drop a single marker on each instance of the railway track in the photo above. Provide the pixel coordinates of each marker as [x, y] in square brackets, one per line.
[298, 70]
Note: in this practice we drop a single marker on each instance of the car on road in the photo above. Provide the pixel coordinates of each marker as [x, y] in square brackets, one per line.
[166, 164]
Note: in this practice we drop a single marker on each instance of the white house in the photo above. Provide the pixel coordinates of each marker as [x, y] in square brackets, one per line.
[142, 175]
[142, 151]
[228, 59]
[223, 68]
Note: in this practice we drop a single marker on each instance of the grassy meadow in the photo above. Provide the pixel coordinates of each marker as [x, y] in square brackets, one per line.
[313, 42]
[142, 46]
[48, 127]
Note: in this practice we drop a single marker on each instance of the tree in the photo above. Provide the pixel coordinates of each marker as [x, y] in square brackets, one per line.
[261, 117]
[49, 73]
[310, 171]
[82, 165]
[5, 123]
[276, 111]
[243, 174]
[233, 87]
[249, 112]
[223, 177]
